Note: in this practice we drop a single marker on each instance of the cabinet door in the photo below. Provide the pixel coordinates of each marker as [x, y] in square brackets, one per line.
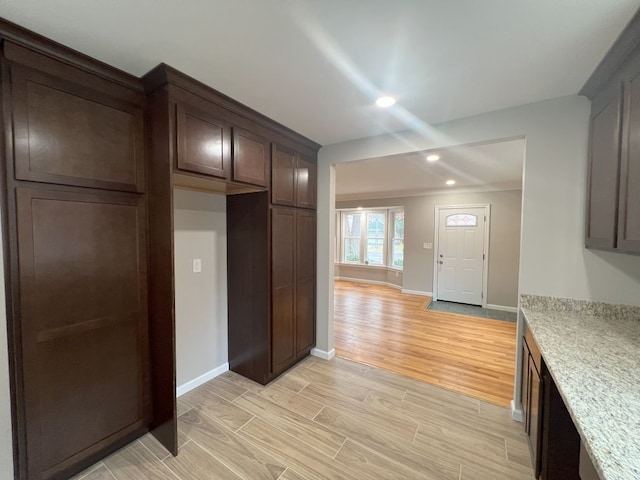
[604, 163]
[524, 386]
[306, 179]
[629, 209]
[83, 317]
[283, 177]
[560, 444]
[305, 282]
[283, 331]
[250, 158]
[203, 142]
[535, 418]
[70, 134]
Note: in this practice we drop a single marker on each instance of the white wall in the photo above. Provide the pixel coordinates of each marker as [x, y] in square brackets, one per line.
[200, 231]
[553, 260]
[419, 227]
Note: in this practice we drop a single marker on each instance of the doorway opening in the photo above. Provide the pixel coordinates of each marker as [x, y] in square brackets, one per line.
[475, 193]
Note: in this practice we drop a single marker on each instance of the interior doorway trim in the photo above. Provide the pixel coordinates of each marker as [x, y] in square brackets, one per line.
[485, 263]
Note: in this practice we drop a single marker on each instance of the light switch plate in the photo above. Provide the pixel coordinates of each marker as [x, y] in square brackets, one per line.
[428, 246]
[197, 265]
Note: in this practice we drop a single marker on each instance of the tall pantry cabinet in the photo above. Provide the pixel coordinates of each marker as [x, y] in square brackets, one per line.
[74, 213]
[271, 265]
[90, 159]
[203, 140]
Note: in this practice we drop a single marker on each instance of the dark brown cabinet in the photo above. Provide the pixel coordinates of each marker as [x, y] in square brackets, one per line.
[250, 158]
[560, 441]
[213, 141]
[293, 178]
[204, 142]
[75, 216]
[89, 165]
[275, 331]
[613, 188]
[554, 442]
[531, 395]
[84, 314]
[283, 288]
[71, 133]
[306, 173]
[305, 282]
[270, 252]
[292, 285]
[283, 176]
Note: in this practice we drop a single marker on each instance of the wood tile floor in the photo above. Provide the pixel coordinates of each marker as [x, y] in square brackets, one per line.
[329, 420]
[382, 327]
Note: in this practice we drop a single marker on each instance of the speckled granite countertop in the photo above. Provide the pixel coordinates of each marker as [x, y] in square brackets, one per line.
[593, 353]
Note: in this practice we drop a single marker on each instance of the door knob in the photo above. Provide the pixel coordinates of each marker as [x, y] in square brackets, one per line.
[441, 255]
[440, 262]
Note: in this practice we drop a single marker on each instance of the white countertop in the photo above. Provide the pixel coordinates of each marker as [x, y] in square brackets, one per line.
[595, 363]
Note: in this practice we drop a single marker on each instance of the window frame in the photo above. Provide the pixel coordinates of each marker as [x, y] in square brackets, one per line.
[392, 237]
[387, 238]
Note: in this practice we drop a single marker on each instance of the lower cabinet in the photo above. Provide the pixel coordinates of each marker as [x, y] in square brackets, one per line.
[82, 278]
[554, 441]
[271, 283]
[531, 394]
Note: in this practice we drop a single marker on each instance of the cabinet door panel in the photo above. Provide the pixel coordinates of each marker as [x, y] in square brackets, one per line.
[524, 386]
[305, 317]
[306, 173]
[82, 260]
[250, 158]
[69, 134]
[604, 163]
[203, 142]
[534, 415]
[629, 213]
[283, 329]
[305, 281]
[283, 288]
[283, 177]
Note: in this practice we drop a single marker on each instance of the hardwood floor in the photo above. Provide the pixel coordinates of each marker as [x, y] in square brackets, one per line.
[382, 327]
[329, 420]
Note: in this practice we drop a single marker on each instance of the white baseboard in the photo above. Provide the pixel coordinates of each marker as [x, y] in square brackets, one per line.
[323, 354]
[418, 292]
[204, 378]
[502, 308]
[372, 282]
[516, 413]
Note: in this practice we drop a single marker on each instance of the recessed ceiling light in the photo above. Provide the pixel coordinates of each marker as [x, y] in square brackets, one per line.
[385, 102]
[451, 182]
[433, 158]
[359, 208]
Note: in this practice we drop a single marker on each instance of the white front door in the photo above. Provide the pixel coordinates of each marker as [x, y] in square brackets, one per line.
[460, 255]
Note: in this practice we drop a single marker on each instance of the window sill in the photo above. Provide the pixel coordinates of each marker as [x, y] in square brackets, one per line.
[371, 267]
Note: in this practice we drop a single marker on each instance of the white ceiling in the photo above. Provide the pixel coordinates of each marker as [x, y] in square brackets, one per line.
[486, 167]
[317, 65]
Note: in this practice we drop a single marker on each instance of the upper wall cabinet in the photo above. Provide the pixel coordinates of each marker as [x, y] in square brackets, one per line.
[293, 178]
[250, 158]
[629, 206]
[74, 132]
[613, 191]
[283, 176]
[203, 142]
[604, 170]
[306, 179]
